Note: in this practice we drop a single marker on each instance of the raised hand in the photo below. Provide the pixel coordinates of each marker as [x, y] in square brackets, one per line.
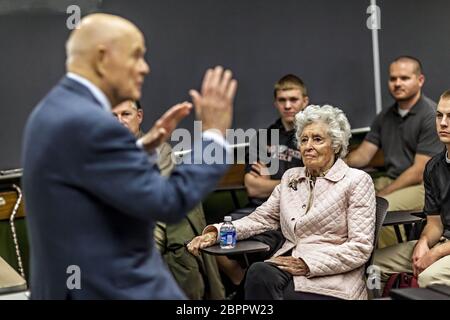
[163, 128]
[214, 104]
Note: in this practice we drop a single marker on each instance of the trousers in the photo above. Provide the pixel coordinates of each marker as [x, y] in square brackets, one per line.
[265, 281]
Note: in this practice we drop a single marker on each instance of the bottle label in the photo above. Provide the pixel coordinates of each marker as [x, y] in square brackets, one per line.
[228, 239]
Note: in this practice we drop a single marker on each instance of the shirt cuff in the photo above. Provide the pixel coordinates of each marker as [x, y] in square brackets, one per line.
[152, 155]
[213, 228]
[215, 136]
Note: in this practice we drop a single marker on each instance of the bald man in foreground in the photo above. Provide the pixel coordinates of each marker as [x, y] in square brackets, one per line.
[92, 191]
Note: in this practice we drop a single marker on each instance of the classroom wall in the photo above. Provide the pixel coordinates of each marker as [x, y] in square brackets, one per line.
[325, 42]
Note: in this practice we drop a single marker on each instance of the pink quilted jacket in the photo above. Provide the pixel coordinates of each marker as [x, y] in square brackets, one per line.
[335, 238]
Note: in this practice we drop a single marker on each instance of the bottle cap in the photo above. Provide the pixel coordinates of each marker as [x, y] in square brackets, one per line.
[227, 219]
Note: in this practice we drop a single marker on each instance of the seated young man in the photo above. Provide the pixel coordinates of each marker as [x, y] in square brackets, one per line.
[290, 97]
[198, 277]
[429, 257]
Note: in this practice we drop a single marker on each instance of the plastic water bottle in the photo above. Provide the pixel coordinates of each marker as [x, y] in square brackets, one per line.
[227, 234]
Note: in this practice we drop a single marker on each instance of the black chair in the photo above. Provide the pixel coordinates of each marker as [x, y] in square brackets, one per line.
[381, 211]
[412, 221]
[241, 213]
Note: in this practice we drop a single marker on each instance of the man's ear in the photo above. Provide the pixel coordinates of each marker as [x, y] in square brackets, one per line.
[421, 80]
[275, 104]
[100, 60]
[305, 102]
[140, 115]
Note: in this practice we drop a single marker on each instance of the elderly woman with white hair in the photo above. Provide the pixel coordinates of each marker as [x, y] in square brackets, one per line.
[326, 211]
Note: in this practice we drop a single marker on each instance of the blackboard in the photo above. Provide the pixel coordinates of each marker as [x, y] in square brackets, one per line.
[325, 42]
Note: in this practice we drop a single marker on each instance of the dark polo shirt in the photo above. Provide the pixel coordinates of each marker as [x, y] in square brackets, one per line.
[436, 178]
[401, 138]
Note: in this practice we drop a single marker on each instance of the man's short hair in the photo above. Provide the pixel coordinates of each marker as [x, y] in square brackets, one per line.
[418, 69]
[446, 95]
[289, 82]
[137, 103]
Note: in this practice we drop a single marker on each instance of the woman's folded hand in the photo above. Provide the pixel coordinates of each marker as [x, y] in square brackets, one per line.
[295, 266]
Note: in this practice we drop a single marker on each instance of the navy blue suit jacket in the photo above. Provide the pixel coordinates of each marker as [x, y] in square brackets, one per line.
[92, 198]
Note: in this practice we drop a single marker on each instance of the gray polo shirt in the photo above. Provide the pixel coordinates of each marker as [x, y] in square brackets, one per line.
[401, 138]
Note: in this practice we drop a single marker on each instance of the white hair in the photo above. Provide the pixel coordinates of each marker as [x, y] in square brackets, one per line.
[338, 125]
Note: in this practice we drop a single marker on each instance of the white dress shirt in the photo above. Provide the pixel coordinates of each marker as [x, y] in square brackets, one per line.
[96, 92]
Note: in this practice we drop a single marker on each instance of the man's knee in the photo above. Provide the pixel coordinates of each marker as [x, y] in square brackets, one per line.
[409, 198]
[394, 259]
[432, 276]
[425, 278]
